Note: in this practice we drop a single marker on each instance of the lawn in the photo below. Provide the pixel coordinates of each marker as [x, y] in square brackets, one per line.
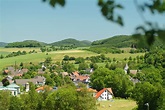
[116, 104]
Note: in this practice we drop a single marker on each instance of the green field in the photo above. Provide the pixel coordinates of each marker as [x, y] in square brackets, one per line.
[18, 49]
[55, 55]
[116, 104]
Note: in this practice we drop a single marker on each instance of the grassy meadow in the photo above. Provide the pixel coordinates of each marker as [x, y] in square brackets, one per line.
[55, 55]
[116, 104]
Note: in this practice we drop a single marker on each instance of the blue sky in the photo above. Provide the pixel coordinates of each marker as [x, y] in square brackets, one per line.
[80, 19]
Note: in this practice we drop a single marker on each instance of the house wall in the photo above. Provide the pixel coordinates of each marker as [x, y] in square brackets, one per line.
[106, 95]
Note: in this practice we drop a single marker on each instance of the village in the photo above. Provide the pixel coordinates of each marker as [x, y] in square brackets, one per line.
[20, 86]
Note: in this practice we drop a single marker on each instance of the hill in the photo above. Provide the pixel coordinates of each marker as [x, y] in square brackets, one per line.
[3, 44]
[26, 43]
[116, 41]
[72, 42]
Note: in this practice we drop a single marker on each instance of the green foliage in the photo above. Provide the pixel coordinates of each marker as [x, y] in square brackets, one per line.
[5, 82]
[83, 66]
[4, 100]
[72, 43]
[108, 11]
[48, 60]
[31, 100]
[94, 66]
[27, 43]
[147, 93]
[150, 75]
[116, 41]
[79, 60]
[15, 103]
[68, 67]
[116, 79]
[67, 98]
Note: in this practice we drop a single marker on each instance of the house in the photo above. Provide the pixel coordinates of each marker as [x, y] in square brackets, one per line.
[89, 70]
[104, 94]
[6, 72]
[15, 89]
[15, 72]
[40, 71]
[134, 72]
[43, 88]
[38, 80]
[126, 68]
[10, 79]
[64, 74]
[82, 78]
[134, 80]
[75, 74]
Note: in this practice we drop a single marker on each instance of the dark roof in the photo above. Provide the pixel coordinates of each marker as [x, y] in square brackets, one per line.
[37, 79]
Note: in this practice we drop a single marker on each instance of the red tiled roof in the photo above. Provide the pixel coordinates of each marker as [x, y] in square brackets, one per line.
[75, 73]
[81, 78]
[43, 88]
[101, 91]
[6, 71]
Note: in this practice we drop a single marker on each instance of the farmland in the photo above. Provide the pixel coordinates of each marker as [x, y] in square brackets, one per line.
[55, 55]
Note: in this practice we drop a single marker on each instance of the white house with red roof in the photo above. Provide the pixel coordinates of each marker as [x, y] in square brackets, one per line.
[104, 94]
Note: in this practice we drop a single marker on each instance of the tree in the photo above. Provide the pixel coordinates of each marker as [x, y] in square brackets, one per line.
[147, 93]
[94, 66]
[66, 58]
[83, 66]
[79, 60]
[48, 60]
[5, 82]
[21, 64]
[31, 100]
[116, 79]
[68, 67]
[4, 100]
[67, 98]
[15, 103]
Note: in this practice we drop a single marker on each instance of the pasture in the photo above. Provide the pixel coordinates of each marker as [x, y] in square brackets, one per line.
[38, 57]
[116, 104]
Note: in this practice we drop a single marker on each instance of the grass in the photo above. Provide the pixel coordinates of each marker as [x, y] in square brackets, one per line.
[36, 58]
[40, 57]
[117, 104]
[17, 49]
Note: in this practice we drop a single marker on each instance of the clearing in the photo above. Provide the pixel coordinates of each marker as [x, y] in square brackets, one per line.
[116, 104]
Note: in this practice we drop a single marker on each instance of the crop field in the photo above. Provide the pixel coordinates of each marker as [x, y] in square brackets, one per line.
[116, 104]
[55, 55]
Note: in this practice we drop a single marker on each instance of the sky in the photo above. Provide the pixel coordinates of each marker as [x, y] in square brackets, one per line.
[79, 19]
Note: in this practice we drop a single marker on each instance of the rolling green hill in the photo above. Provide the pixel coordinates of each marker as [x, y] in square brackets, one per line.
[3, 44]
[72, 42]
[26, 43]
[116, 41]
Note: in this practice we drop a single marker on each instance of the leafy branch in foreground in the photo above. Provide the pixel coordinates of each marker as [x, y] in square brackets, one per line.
[108, 10]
